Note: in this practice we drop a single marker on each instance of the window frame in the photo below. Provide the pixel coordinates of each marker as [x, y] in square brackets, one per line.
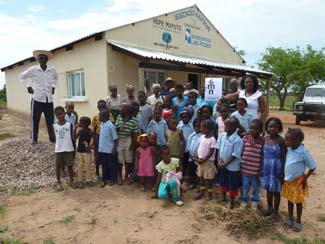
[76, 90]
[156, 71]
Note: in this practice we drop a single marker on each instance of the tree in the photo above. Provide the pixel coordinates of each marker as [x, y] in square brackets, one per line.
[293, 69]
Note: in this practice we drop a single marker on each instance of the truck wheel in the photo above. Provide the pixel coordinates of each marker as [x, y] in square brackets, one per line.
[298, 120]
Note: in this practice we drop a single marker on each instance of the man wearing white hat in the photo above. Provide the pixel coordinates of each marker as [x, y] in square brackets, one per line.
[44, 80]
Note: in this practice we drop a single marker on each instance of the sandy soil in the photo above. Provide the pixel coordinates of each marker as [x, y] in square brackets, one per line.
[123, 214]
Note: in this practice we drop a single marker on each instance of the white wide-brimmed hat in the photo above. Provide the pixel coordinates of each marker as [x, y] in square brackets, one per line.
[36, 53]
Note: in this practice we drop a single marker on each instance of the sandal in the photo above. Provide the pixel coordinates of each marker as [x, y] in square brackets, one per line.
[142, 188]
[297, 227]
[288, 223]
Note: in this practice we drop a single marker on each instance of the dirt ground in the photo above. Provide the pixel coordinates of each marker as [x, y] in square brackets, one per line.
[123, 214]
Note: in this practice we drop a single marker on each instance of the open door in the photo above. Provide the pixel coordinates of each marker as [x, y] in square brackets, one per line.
[194, 78]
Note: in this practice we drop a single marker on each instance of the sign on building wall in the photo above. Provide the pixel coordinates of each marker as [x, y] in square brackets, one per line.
[213, 89]
[185, 28]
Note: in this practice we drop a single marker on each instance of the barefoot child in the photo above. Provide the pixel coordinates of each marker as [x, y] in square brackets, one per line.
[206, 170]
[83, 155]
[273, 166]
[169, 176]
[64, 149]
[230, 147]
[251, 164]
[145, 162]
[295, 187]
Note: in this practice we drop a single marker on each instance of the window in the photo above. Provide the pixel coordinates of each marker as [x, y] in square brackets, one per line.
[76, 83]
[155, 76]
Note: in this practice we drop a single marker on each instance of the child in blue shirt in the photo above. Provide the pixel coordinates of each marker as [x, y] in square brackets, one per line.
[159, 126]
[230, 147]
[192, 146]
[295, 187]
[107, 149]
[187, 129]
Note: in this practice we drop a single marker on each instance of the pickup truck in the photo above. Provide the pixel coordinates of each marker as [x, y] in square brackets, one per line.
[312, 107]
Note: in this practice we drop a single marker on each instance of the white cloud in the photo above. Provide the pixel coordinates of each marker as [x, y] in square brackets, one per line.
[36, 8]
[251, 25]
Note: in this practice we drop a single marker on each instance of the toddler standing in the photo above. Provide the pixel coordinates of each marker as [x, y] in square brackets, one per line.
[83, 155]
[145, 162]
[295, 187]
[175, 139]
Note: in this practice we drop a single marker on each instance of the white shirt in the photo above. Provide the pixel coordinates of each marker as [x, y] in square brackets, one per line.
[63, 134]
[252, 102]
[43, 82]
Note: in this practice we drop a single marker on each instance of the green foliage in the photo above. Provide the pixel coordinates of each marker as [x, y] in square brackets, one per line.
[321, 218]
[294, 69]
[298, 240]
[11, 241]
[3, 98]
[67, 219]
[2, 211]
[3, 228]
[48, 241]
[26, 192]
[93, 220]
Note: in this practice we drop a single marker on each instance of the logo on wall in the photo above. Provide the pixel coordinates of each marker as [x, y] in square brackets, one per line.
[188, 37]
[196, 40]
[167, 38]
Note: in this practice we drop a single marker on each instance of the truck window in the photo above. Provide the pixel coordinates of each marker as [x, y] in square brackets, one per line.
[315, 92]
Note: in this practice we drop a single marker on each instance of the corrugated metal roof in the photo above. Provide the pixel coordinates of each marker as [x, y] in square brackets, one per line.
[55, 49]
[154, 54]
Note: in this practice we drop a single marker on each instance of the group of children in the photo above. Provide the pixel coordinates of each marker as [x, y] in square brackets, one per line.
[182, 141]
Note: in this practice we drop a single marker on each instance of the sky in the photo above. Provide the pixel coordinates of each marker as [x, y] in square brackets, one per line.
[250, 25]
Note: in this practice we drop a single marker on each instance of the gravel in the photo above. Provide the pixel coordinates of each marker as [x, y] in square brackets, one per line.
[23, 167]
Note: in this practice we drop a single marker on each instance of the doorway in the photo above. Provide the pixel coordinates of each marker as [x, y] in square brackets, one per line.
[194, 78]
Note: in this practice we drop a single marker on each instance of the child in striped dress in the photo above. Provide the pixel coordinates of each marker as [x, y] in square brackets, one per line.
[251, 164]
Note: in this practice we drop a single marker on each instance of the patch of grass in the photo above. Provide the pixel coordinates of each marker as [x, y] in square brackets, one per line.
[249, 223]
[77, 209]
[321, 218]
[4, 136]
[11, 241]
[48, 241]
[3, 188]
[2, 211]
[26, 192]
[93, 220]
[275, 103]
[3, 228]
[297, 240]
[67, 219]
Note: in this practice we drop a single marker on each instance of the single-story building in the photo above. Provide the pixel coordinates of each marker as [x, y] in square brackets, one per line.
[182, 44]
